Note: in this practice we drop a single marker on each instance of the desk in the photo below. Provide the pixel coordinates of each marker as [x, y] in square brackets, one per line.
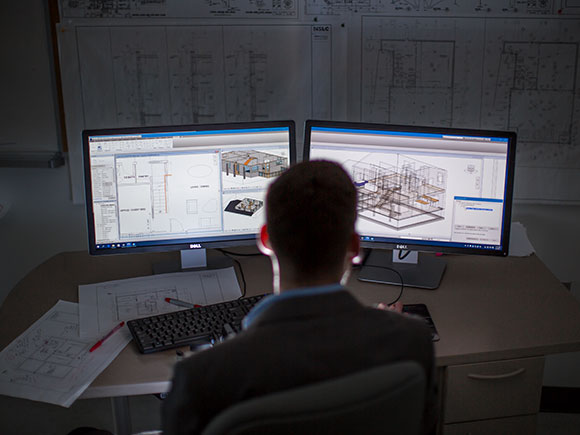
[494, 316]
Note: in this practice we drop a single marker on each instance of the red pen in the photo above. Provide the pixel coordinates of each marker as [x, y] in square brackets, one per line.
[102, 340]
[181, 303]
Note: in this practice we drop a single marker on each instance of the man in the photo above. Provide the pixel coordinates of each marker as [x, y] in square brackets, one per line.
[312, 329]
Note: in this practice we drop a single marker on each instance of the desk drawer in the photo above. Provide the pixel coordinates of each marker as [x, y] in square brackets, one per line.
[494, 389]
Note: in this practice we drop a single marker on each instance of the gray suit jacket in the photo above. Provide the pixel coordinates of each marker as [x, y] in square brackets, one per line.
[294, 342]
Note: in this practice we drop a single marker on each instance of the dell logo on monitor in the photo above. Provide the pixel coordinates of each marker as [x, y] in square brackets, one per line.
[402, 247]
[195, 246]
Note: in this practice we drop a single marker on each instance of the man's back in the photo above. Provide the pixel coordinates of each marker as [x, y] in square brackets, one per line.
[295, 341]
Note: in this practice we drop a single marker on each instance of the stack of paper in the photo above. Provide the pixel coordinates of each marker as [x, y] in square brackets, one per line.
[52, 361]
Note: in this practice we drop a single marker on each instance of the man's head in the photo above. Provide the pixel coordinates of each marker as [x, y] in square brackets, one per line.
[310, 217]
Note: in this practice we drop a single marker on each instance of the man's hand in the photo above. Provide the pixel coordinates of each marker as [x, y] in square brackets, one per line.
[397, 307]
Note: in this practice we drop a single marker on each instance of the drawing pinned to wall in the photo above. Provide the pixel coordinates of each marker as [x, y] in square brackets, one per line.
[488, 7]
[178, 9]
[532, 86]
[127, 75]
[342, 7]
[419, 71]
[400, 196]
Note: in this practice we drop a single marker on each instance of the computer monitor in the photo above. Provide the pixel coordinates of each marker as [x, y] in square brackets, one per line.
[181, 187]
[421, 189]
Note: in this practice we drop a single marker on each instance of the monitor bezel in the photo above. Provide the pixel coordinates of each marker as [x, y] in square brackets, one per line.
[427, 246]
[225, 241]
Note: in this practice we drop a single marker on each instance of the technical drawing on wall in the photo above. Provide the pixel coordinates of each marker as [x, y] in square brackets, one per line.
[532, 86]
[245, 207]
[400, 196]
[178, 8]
[342, 7]
[250, 164]
[419, 71]
[130, 75]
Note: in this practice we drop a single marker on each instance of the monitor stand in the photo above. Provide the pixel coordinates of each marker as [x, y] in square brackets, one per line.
[424, 272]
[194, 259]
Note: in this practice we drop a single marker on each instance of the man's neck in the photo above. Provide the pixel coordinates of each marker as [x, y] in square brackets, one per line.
[290, 284]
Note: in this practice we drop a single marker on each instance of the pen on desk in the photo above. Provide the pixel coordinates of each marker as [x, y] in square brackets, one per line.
[102, 340]
[181, 303]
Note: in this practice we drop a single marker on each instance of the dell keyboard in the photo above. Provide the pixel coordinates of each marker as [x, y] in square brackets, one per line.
[193, 327]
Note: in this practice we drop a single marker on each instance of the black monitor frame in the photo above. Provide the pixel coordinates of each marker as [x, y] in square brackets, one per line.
[183, 244]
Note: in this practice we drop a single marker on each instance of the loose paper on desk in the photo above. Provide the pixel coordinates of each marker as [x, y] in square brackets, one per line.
[104, 305]
[50, 363]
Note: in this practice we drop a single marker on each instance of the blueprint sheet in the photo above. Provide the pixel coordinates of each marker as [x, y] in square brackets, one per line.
[50, 363]
[104, 305]
[151, 75]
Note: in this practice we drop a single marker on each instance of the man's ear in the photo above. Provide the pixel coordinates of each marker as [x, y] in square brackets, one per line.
[264, 242]
[354, 248]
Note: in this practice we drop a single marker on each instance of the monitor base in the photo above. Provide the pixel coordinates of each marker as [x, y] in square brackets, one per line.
[191, 260]
[426, 273]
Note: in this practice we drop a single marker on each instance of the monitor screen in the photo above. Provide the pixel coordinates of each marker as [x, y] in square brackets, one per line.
[424, 188]
[181, 187]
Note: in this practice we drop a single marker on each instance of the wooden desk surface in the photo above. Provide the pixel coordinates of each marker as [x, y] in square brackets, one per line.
[486, 309]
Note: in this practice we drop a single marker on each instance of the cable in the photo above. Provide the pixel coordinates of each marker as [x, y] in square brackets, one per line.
[230, 256]
[400, 278]
[230, 253]
[403, 256]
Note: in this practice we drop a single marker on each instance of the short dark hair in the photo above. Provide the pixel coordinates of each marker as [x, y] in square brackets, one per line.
[310, 215]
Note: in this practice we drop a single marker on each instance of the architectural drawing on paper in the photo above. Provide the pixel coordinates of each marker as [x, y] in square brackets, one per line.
[246, 206]
[421, 71]
[168, 9]
[143, 303]
[400, 196]
[250, 164]
[411, 79]
[532, 86]
[338, 7]
[47, 354]
[247, 82]
[532, 75]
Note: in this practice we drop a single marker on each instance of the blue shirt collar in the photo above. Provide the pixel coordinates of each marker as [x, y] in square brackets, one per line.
[268, 301]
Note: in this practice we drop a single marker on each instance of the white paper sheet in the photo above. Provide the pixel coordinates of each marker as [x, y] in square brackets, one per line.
[520, 245]
[104, 305]
[50, 363]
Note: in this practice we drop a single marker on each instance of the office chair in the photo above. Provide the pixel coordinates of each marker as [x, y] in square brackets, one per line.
[383, 400]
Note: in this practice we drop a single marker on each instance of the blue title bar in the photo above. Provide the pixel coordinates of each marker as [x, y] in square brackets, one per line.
[408, 134]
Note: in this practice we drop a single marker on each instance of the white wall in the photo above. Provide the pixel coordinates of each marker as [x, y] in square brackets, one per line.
[40, 222]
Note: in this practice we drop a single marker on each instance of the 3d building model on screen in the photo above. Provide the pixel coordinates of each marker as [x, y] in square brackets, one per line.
[246, 206]
[249, 164]
[411, 193]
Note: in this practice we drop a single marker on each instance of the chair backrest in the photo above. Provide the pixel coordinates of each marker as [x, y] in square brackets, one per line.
[387, 399]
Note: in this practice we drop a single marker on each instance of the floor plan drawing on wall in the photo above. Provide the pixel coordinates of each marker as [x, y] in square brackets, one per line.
[532, 86]
[420, 71]
[143, 75]
[178, 8]
[400, 196]
[448, 7]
